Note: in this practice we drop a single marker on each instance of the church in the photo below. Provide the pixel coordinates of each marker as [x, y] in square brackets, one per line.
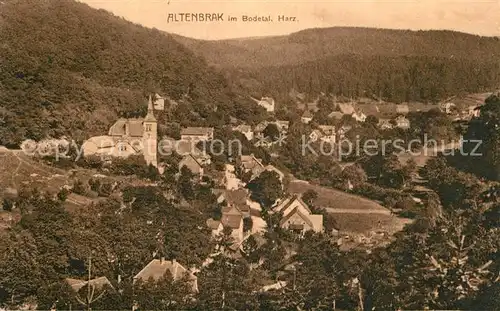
[128, 137]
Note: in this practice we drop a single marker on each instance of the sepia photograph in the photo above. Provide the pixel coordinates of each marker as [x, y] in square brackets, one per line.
[250, 155]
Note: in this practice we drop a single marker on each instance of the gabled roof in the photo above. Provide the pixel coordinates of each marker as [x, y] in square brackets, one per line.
[307, 114]
[261, 126]
[282, 123]
[97, 283]
[402, 108]
[213, 224]
[181, 147]
[134, 125]
[317, 132]
[242, 128]
[369, 109]
[336, 114]
[249, 162]
[236, 197]
[327, 129]
[157, 268]
[231, 221]
[346, 108]
[289, 201]
[293, 212]
[188, 161]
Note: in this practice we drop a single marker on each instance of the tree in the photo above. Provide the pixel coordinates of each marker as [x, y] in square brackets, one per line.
[354, 174]
[266, 188]
[309, 196]
[482, 140]
[7, 205]
[372, 120]
[272, 131]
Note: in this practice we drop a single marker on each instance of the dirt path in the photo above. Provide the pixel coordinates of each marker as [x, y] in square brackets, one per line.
[357, 211]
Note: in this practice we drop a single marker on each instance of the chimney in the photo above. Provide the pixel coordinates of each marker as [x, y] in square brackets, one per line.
[162, 259]
[127, 130]
[174, 261]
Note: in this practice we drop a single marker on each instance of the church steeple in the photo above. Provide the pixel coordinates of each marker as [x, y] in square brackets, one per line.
[149, 136]
[150, 117]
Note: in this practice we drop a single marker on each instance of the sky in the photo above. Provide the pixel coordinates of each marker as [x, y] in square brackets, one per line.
[480, 17]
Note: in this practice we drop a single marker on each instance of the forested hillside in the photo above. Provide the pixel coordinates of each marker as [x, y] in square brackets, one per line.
[318, 43]
[69, 69]
[396, 64]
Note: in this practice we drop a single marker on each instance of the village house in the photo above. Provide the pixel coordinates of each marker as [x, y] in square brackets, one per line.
[183, 148]
[346, 108]
[402, 109]
[128, 137]
[264, 142]
[315, 135]
[159, 102]
[259, 128]
[369, 109]
[306, 117]
[282, 125]
[312, 107]
[385, 124]
[296, 95]
[236, 201]
[447, 107]
[156, 269]
[402, 122]
[192, 164]
[216, 227]
[235, 223]
[245, 130]
[297, 216]
[266, 102]
[197, 133]
[252, 164]
[337, 115]
[342, 131]
[359, 116]
[329, 134]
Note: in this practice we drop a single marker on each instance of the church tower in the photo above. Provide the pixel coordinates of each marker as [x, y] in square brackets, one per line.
[150, 136]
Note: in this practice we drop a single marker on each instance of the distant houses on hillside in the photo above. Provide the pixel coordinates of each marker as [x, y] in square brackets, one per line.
[266, 102]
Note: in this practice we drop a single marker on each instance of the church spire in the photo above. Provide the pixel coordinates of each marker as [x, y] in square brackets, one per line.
[150, 116]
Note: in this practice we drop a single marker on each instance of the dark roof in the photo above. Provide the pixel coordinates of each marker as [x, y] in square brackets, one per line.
[213, 224]
[231, 221]
[134, 125]
[294, 198]
[369, 109]
[237, 197]
[296, 211]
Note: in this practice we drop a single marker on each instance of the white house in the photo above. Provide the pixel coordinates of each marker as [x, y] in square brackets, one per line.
[306, 117]
[245, 130]
[266, 102]
[359, 116]
[297, 216]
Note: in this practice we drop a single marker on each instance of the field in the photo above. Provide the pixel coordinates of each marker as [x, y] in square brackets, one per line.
[18, 170]
[353, 214]
[336, 199]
